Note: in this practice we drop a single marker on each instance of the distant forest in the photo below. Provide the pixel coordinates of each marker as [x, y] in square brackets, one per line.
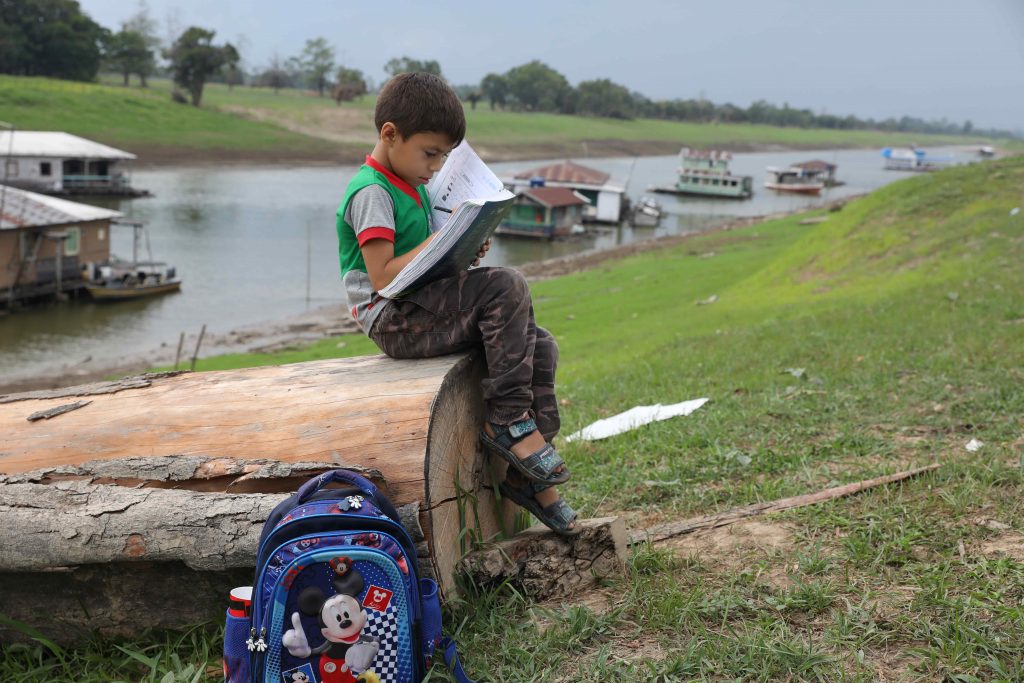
[55, 38]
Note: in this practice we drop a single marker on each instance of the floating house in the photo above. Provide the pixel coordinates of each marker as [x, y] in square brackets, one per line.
[913, 159]
[706, 173]
[544, 213]
[820, 170]
[48, 245]
[794, 179]
[605, 199]
[63, 164]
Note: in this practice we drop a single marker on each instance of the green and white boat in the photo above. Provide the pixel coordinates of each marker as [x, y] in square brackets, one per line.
[706, 173]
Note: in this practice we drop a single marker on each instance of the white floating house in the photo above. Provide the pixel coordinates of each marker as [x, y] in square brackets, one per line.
[62, 164]
[605, 197]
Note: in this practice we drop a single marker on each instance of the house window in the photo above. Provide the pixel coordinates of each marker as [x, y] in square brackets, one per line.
[11, 169]
[73, 243]
[45, 168]
[27, 243]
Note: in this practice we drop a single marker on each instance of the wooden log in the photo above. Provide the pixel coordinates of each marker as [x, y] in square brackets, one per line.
[180, 469]
[544, 565]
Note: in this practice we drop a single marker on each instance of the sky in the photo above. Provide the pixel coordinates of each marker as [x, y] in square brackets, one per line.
[933, 59]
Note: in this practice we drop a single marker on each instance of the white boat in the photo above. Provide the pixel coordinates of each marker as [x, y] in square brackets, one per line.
[793, 179]
[645, 213]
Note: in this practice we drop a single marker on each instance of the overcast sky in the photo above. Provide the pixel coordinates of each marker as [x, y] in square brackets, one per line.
[958, 59]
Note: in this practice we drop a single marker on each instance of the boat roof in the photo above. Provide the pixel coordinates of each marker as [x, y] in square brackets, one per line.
[815, 165]
[32, 143]
[24, 209]
[554, 197]
[566, 172]
[713, 154]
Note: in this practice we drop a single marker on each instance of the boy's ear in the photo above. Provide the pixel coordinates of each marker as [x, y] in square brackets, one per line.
[389, 132]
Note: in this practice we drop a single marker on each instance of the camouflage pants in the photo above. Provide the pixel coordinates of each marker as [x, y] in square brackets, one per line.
[489, 307]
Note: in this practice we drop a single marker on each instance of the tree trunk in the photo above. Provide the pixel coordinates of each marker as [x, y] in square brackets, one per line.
[181, 469]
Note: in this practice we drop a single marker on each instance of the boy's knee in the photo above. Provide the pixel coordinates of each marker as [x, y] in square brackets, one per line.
[510, 282]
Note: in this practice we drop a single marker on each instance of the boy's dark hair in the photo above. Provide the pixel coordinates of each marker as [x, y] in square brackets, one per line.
[420, 103]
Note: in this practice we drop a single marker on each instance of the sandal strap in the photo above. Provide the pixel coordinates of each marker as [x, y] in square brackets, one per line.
[560, 513]
[543, 462]
[508, 435]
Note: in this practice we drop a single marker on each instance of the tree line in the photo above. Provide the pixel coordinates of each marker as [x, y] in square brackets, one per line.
[56, 38]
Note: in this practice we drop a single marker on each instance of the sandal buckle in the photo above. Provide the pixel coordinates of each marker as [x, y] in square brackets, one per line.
[520, 429]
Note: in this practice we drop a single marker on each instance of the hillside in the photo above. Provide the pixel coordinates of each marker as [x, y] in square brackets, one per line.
[256, 124]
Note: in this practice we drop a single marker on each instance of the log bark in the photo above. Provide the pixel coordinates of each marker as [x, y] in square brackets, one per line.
[181, 469]
[544, 566]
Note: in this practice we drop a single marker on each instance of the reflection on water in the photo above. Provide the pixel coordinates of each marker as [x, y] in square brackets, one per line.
[250, 243]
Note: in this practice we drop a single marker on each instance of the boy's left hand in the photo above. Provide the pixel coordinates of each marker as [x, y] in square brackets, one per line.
[484, 248]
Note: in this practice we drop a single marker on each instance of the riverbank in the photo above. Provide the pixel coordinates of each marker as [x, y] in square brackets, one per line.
[296, 332]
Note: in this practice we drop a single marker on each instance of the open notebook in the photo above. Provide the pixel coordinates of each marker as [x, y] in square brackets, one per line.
[468, 203]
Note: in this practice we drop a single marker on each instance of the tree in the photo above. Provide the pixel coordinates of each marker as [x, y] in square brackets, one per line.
[49, 38]
[194, 58]
[604, 98]
[398, 65]
[274, 76]
[144, 25]
[317, 61]
[495, 89]
[127, 53]
[349, 84]
[538, 87]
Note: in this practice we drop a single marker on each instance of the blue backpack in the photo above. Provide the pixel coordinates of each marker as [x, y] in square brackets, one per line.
[337, 596]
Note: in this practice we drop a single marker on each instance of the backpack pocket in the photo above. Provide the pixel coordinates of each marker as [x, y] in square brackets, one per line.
[236, 654]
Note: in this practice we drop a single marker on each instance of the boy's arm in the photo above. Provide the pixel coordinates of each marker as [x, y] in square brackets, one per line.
[381, 263]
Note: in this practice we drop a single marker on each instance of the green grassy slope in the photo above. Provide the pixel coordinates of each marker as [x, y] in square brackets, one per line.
[883, 338]
[296, 123]
[136, 118]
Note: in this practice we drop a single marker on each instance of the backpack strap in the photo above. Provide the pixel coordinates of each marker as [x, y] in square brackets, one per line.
[451, 659]
[343, 476]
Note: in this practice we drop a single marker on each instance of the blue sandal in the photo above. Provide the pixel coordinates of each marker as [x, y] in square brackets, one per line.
[540, 466]
[557, 516]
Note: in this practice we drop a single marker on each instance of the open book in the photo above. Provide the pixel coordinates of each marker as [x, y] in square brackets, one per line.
[468, 203]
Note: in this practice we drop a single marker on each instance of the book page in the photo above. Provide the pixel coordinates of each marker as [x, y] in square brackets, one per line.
[463, 177]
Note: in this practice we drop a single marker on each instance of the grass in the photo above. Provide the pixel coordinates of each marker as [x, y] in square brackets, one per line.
[884, 338]
[296, 122]
[135, 118]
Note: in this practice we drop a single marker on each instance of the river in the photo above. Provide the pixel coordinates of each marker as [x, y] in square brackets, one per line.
[258, 244]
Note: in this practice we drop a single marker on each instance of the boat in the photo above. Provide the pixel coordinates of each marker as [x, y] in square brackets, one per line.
[706, 173]
[913, 159]
[119, 280]
[987, 151]
[645, 213]
[793, 179]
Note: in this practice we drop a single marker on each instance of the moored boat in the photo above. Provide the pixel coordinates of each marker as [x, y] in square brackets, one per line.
[793, 179]
[119, 280]
[706, 173]
[646, 213]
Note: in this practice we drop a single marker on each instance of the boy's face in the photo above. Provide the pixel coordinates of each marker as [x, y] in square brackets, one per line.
[417, 158]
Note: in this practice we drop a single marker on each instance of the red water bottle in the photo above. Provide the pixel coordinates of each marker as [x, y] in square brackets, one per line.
[240, 604]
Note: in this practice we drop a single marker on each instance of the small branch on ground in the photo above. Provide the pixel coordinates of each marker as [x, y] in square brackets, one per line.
[662, 532]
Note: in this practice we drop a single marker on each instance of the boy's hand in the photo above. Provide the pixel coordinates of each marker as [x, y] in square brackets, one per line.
[480, 254]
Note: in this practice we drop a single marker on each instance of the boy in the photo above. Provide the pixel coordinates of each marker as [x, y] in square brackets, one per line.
[383, 222]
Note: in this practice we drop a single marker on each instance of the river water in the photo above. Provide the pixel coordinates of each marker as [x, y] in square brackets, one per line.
[258, 244]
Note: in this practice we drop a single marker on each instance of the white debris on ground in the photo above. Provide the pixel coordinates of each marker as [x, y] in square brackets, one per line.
[633, 418]
[973, 445]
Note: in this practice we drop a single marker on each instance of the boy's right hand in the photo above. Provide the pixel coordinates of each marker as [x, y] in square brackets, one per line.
[484, 248]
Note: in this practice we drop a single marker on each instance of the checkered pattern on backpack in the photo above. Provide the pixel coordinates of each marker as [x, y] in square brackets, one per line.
[384, 627]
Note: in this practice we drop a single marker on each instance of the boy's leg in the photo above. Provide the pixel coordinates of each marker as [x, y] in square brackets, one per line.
[488, 306]
[545, 404]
